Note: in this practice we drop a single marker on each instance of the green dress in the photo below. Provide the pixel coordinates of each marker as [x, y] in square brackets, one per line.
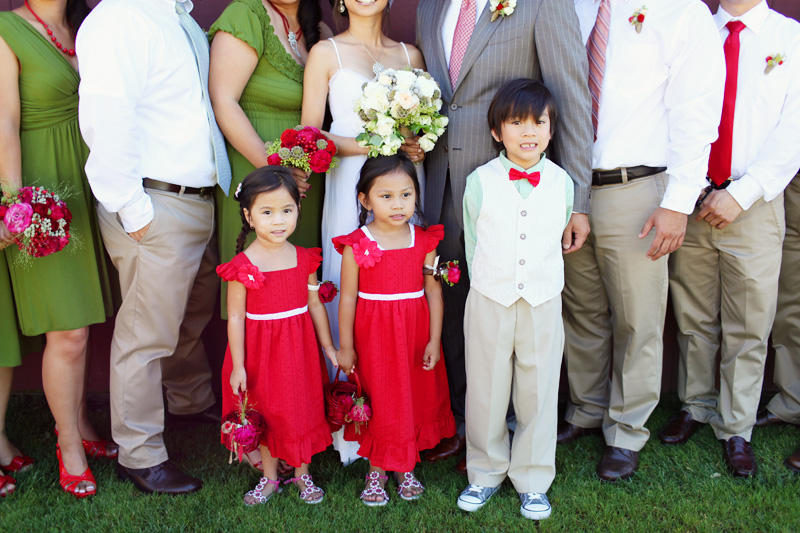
[69, 289]
[272, 101]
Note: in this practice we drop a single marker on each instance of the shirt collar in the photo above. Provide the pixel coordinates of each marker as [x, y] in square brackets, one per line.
[508, 165]
[186, 4]
[753, 19]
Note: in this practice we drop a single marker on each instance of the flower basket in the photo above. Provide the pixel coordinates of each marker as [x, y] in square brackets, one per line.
[242, 429]
[345, 403]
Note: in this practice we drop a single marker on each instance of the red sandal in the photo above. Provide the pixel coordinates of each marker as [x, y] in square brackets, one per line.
[7, 480]
[98, 448]
[69, 483]
[19, 463]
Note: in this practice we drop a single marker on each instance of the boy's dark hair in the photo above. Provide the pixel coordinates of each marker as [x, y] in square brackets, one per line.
[375, 167]
[521, 98]
[264, 179]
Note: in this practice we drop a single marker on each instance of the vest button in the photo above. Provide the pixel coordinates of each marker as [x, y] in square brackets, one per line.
[520, 286]
[522, 236]
[521, 261]
[524, 213]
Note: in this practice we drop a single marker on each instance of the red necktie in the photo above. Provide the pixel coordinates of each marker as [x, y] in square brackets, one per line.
[719, 162]
[533, 177]
[596, 49]
[464, 27]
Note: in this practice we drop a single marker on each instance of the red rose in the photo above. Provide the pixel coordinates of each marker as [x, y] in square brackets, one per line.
[630, 19]
[289, 138]
[40, 209]
[769, 58]
[640, 18]
[56, 213]
[274, 159]
[307, 139]
[331, 148]
[327, 291]
[453, 274]
[320, 161]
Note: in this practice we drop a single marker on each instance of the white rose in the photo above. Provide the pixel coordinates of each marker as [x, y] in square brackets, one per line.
[405, 79]
[425, 120]
[442, 121]
[512, 3]
[385, 126]
[437, 104]
[508, 10]
[383, 79]
[386, 150]
[394, 142]
[406, 99]
[427, 141]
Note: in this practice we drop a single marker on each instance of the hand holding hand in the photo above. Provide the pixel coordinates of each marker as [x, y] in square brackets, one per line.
[670, 230]
[719, 209]
[347, 360]
[238, 380]
[433, 352]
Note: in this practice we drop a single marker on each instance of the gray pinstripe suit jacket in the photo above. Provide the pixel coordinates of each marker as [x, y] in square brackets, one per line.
[540, 40]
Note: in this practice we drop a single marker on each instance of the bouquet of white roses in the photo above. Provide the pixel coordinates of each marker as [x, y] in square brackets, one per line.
[397, 104]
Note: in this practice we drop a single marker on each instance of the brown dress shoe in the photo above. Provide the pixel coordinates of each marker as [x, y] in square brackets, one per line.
[679, 428]
[446, 448]
[793, 462]
[569, 432]
[766, 419]
[461, 467]
[163, 479]
[739, 457]
[617, 463]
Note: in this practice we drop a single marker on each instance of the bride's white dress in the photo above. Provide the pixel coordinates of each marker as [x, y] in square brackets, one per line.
[341, 208]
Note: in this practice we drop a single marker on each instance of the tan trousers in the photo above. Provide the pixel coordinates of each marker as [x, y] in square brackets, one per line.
[786, 330]
[724, 284]
[614, 291]
[512, 352]
[157, 279]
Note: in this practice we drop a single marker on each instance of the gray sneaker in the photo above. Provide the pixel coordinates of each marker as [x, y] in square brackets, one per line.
[474, 496]
[535, 505]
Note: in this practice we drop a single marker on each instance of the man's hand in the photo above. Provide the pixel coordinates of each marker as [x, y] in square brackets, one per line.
[575, 233]
[411, 147]
[719, 209]
[301, 178]
[670, 230]
[139, 234]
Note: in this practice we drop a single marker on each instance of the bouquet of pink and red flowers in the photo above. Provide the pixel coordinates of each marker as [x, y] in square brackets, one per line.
[38, 219]
[242, 429]
[303, 147]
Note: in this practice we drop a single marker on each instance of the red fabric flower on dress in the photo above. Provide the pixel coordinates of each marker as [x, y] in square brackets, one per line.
[367, 253]
[251, 277]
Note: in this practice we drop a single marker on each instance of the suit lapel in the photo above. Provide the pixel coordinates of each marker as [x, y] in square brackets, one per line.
[484, 29]
[437, 65]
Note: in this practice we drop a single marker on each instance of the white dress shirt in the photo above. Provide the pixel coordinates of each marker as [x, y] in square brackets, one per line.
[141, 106]
[766, 123]
[662, 92]
[450, 21]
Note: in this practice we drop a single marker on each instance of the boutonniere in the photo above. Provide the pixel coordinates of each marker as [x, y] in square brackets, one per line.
[773, 61]
[448, 272]
[367, 253]
[501, 8]
[637, 18]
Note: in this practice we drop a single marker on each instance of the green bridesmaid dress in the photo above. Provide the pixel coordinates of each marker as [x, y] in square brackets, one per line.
[272, 101]
[69, 289]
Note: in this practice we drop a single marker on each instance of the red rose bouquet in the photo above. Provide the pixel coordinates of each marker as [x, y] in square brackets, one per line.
[242, 429]
[38, 219]
[448, 272]
[305, 148]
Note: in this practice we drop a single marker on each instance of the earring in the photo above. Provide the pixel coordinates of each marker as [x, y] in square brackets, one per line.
[341, 6]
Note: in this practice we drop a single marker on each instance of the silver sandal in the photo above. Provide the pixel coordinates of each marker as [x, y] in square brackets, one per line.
[374, 489]
[259, 496]
[409, 481]
[309, 490]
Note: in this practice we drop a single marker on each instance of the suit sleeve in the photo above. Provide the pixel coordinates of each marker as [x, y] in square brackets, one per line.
[564, 67]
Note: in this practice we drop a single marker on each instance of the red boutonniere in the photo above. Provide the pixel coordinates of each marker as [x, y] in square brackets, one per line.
[251, 277]
[448, 272]
[637, 18]
[367, 253]
[773, 61]
[501, 8]
[327, 291]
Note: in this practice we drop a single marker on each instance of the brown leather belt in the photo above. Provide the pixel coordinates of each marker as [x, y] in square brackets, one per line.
[623, 175]
[148, 183]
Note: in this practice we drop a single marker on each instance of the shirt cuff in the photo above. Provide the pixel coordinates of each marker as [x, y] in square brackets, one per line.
[679, 197]
[746, 191]
[138, 213]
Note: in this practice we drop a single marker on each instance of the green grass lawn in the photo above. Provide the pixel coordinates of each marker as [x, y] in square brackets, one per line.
[685, 488]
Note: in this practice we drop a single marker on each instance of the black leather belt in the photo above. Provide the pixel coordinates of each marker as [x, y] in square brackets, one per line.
[148, 183]
[621, 175]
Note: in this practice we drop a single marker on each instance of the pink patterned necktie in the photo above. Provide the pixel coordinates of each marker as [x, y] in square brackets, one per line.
[464, 27]
[596, 48]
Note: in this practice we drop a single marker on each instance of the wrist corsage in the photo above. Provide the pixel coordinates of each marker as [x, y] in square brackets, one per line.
[327, 291]
[448, 272]
[637, 18]
[501, 8]
[773, 61]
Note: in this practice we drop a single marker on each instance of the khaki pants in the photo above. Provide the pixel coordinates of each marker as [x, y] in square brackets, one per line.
[724, 284]
[614, 291]
[512, 352]
[786, 330]
[159, 276]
